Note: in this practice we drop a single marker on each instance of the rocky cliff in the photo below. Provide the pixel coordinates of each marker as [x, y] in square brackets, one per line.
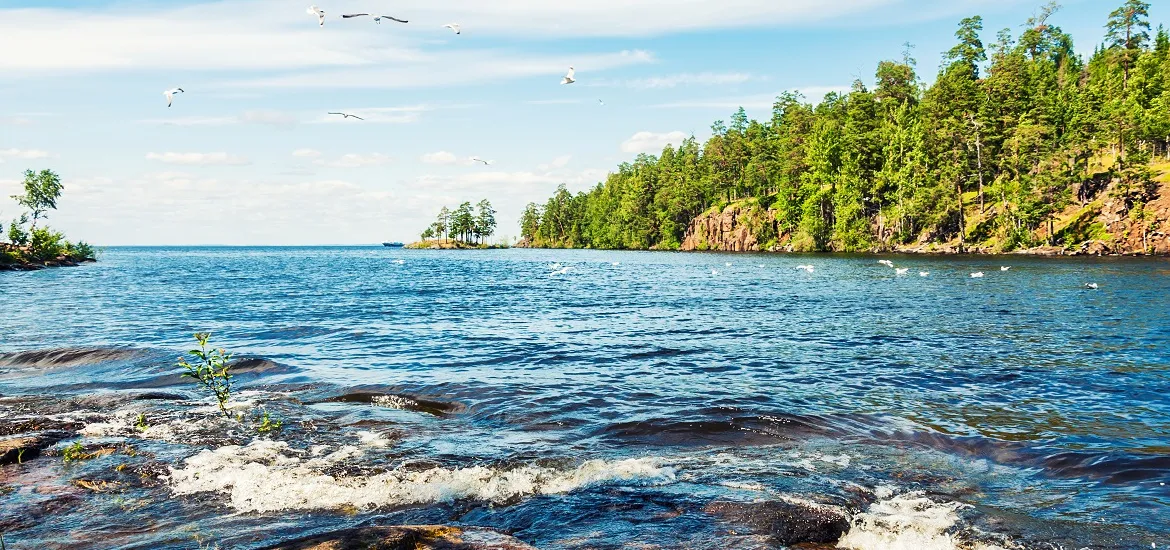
[1097, 223]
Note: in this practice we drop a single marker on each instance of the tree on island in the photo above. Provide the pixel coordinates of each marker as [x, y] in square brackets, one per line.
[39, 245]
[465, 225]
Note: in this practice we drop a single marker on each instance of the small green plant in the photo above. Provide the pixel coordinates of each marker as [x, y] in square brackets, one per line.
[140, 423]
[211, 368]
[74, 453]
[268, 425]
[20, 455]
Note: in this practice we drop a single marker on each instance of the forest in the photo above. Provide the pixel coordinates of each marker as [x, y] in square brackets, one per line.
[463, 225]
[1009, 134]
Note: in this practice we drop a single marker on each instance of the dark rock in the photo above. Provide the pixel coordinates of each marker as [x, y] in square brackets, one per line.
[785, 523]
[424, 537]
[403, 402]
[27, 447]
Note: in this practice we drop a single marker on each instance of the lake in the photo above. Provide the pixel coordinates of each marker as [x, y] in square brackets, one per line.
[634, 399]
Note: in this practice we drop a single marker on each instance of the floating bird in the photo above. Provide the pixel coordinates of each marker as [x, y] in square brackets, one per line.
[715, 272]
[1005, 268]
[615, 264]
[886, 263]
[400, 262]
[923, 273]
[171, 94]
[570, 77]
[728, 264]
[485, 162]
[807, 268]
[555, 266]
[902, 270]
[347, 115]
[561, 271]
[454, 28]
[977, 275]
[314, 10]
[379, 19]
[1092, 286]
[762, 266]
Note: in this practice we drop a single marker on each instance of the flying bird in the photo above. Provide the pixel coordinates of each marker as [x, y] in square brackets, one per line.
[454, 28]
[485, 162]
[1005, 268]
[351, 15]
[314, 10]
[379, 19]
[1091, 286]
[347, 115]
[602, 103]
[571, 77]
[886, 263]
[902, 270]
[977, 275]
[171, 95]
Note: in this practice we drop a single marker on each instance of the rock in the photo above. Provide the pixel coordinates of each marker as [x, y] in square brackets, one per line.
[422, 537]
[733, 229]
[21, 449]
[785, 522]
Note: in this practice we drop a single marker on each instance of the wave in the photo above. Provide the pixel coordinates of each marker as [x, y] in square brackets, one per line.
[910, 522]
[269, 476]
[401, 402]
[67, 357]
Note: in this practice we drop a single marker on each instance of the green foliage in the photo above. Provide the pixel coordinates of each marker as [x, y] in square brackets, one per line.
[467, 224]
[41, 191]
[16, 232]
[82, 251]
[988, 155]
[211, 368]
[74, 453]
[265, 424]
[45, 244]
[140, 424]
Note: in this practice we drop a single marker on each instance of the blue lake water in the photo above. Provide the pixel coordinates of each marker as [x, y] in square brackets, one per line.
[623, 402]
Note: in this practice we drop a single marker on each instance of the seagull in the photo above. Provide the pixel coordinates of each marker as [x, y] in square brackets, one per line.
[902, 270]
[977, 275]
[615, 264]
[571, 77]
[714, 271]
[728, 264]
[1092, 286]
[485, 162]
[379, 19]
[602, 103]
[400, 262]
[886, 263]
[923, 273]
[555, 266]
[807, 268]
[454, 28]
[314, 10]
[561, 271]
[347, 115]
[1005, 268]
[171, 94]
[351, 15]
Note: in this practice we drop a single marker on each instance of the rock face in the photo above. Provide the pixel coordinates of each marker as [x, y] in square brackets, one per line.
[420, 537]
[736, 228]
[785, 523]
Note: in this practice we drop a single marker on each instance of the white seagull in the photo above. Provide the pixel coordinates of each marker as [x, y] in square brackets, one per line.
[886, 263]
[924, 274]
[171, 95]
[977, 275]
[314, 10]
[454, 28]
[1091, 286]
[715, 272]
[1005, 268]
[615, 264]
[600, 102]
[485, 162]
[379, 19]
[902, 270]
[807, 268]
[561, 271]
[347, 115]
[571, 77]
[728, 264]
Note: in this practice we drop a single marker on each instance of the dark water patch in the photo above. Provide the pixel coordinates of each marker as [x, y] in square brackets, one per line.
[401, 402]
[67, 357]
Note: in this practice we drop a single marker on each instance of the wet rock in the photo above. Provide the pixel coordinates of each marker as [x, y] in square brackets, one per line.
[158, 396]
[401, 402]
[66, 357]
[256, 365]
[785, 522]
[27, 447]
[426, 537]
[30, 425]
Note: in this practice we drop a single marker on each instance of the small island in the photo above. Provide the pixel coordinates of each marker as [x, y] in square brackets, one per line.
[27, 247]
[465, 228]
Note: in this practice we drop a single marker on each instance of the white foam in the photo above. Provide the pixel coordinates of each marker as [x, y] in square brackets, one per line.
[372, 439]
[394, 402]
[908, 522]
[267, 476]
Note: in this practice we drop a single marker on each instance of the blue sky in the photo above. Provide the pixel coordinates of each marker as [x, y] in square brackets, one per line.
[248, 155]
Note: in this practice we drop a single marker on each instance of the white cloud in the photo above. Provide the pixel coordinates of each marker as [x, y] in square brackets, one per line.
[198, 159]
[25, 154]
[439, 157]
[813, 94]
[683, 79]
[553, 102]
[261, 117]
[557, 163]
[356, 160]
[650, 142]
[306, 153]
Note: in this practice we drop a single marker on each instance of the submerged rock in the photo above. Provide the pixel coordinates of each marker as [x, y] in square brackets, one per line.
[27, 447]
[422, 537]
[785, 522]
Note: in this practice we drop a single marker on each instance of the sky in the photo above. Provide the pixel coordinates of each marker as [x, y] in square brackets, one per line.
[249, 156]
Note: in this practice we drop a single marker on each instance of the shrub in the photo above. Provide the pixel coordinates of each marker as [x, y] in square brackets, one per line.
[16, 233]
[266, 424]
[82, 251]
[211, 368]
[46, 244]
[74, 453]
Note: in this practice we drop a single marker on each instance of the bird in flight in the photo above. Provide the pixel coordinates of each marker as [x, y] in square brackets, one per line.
[601, 102]
[377, 19]
[571, 77]
[348, 115]
[454, 28]
[485, 162]
[314, 10]
[171, 95]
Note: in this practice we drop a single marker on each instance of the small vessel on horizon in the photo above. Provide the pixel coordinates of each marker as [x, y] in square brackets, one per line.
[393, 245]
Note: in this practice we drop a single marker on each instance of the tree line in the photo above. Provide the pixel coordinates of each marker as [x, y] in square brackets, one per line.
[1009, 134]
[465, 224]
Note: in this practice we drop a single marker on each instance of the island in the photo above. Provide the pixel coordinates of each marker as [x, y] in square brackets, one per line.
[27, 247]
[464, 228]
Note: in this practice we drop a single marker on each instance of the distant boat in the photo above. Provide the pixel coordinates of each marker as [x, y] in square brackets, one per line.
[393, 245]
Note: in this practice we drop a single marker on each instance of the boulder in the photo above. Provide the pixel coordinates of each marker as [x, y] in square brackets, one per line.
[15, 450]
[785, 522]
[418, 537]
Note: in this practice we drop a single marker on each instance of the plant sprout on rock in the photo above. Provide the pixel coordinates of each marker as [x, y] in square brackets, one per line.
[211, 368]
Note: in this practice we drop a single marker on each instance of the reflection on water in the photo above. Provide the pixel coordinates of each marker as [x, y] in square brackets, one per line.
[648, 402]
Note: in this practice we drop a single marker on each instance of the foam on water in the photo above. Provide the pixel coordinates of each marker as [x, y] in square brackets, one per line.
[908, 522]
[267, 476]
[394, 402]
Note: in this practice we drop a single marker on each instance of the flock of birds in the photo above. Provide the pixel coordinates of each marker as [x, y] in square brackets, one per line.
[569, 78]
